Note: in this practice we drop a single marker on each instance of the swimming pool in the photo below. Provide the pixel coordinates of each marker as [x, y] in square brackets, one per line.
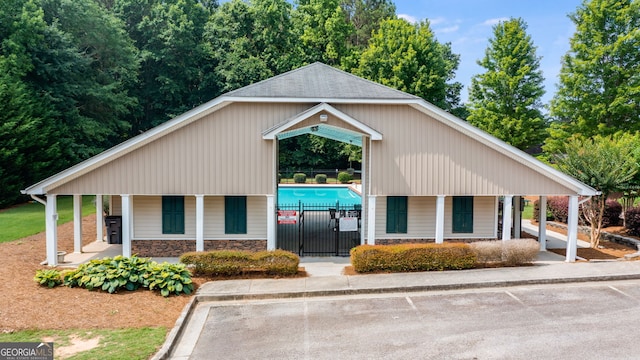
[318, 195]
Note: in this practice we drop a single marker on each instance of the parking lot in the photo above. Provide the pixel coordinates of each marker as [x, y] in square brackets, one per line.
[585, 320]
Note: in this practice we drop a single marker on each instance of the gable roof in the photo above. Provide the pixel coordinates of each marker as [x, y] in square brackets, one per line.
[282, 130]
[319, 81]
[321, 84]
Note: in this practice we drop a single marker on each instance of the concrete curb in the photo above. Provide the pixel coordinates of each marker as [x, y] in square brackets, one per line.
[176, 332]
[417, 288]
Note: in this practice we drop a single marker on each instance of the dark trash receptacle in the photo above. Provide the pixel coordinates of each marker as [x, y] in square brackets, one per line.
[114, 229]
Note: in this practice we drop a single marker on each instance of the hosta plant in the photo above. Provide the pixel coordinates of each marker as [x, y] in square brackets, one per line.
[48, 277]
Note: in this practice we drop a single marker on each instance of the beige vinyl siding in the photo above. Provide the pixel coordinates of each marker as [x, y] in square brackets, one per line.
[222, 153]
[485, 213]
[115, 205]
[214, 218]
[421, 218]
[421, 156]
[147, 213]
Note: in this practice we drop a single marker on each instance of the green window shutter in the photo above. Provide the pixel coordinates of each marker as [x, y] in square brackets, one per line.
[235, 215]
[462, 214]
[173, 214]
[396, 214]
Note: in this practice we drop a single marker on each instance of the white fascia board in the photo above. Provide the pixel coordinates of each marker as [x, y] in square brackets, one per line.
[509, 150]
[125, 147]
[298, 100]
[271, 134]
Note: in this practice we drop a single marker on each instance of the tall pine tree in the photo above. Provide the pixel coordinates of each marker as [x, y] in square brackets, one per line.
[599, 90]
[505, 100]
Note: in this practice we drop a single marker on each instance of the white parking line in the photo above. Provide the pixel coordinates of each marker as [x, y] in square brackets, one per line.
[515, 298]
[411, 303]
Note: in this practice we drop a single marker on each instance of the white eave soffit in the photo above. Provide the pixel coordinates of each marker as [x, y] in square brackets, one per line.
[270, 134]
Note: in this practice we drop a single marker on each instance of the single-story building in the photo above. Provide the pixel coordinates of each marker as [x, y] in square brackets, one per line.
[208, 178]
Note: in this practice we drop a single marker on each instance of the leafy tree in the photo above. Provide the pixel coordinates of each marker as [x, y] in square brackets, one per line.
[91, 90]
[505, 99]
[409, 58]
[249, 42]
[311, 151]
[599, 90]
[176, 71]
[606, 163]
[365, 16]
[29, 145]
[323, 30]
[275, 40]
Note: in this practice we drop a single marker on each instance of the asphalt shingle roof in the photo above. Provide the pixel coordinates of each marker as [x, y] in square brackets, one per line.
[317, 81]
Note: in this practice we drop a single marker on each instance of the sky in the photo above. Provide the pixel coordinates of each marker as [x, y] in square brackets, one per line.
[467, 25]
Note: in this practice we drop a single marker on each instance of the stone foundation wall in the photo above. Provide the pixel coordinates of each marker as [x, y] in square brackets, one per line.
[175, 248]
[162, 248]
[249, 245]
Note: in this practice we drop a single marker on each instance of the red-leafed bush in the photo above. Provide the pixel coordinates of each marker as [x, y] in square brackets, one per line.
[559, 208]
[632, 220]
[612, 211]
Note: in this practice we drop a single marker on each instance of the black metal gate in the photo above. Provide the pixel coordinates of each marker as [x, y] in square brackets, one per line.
[319, 229]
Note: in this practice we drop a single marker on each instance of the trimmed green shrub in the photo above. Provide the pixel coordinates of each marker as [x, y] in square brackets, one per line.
[412, 257]
[235, 262]
[321, 178]
[276, 262]
[632, 220]
[512, 252]
[130, 273]
[213, 263]
[299, 178]
[48, 277]
[344, 177]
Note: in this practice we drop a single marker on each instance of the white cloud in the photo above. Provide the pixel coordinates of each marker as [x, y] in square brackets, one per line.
[409, 18]
[438, 20]
[494, 21]
[449, 29]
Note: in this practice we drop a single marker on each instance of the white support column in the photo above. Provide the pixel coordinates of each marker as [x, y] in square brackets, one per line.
[99, 218]
[517, 217]
[371, 225]
[542, 223]
[440, 219]
[572, 229]
[507, 208]
[271, 222]
[126, 225]
[51, 223]
[364, 183]
[77, 223]
[199, 222]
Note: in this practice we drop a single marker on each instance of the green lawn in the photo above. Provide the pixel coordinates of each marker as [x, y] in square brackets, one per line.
[114, 344]
[527, 212]
[28, 219]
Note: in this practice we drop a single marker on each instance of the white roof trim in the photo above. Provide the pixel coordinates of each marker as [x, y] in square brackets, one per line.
[509, 150]
[129, 145]
[298, 100]
[270, 134]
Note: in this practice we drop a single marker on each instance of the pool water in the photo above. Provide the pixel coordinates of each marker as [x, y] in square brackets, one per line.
[318, 195]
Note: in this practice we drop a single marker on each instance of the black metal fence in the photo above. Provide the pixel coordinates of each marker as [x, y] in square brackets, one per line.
[319, 229]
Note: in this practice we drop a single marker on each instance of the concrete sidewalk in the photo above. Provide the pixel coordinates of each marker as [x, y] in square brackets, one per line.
[550, 268]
